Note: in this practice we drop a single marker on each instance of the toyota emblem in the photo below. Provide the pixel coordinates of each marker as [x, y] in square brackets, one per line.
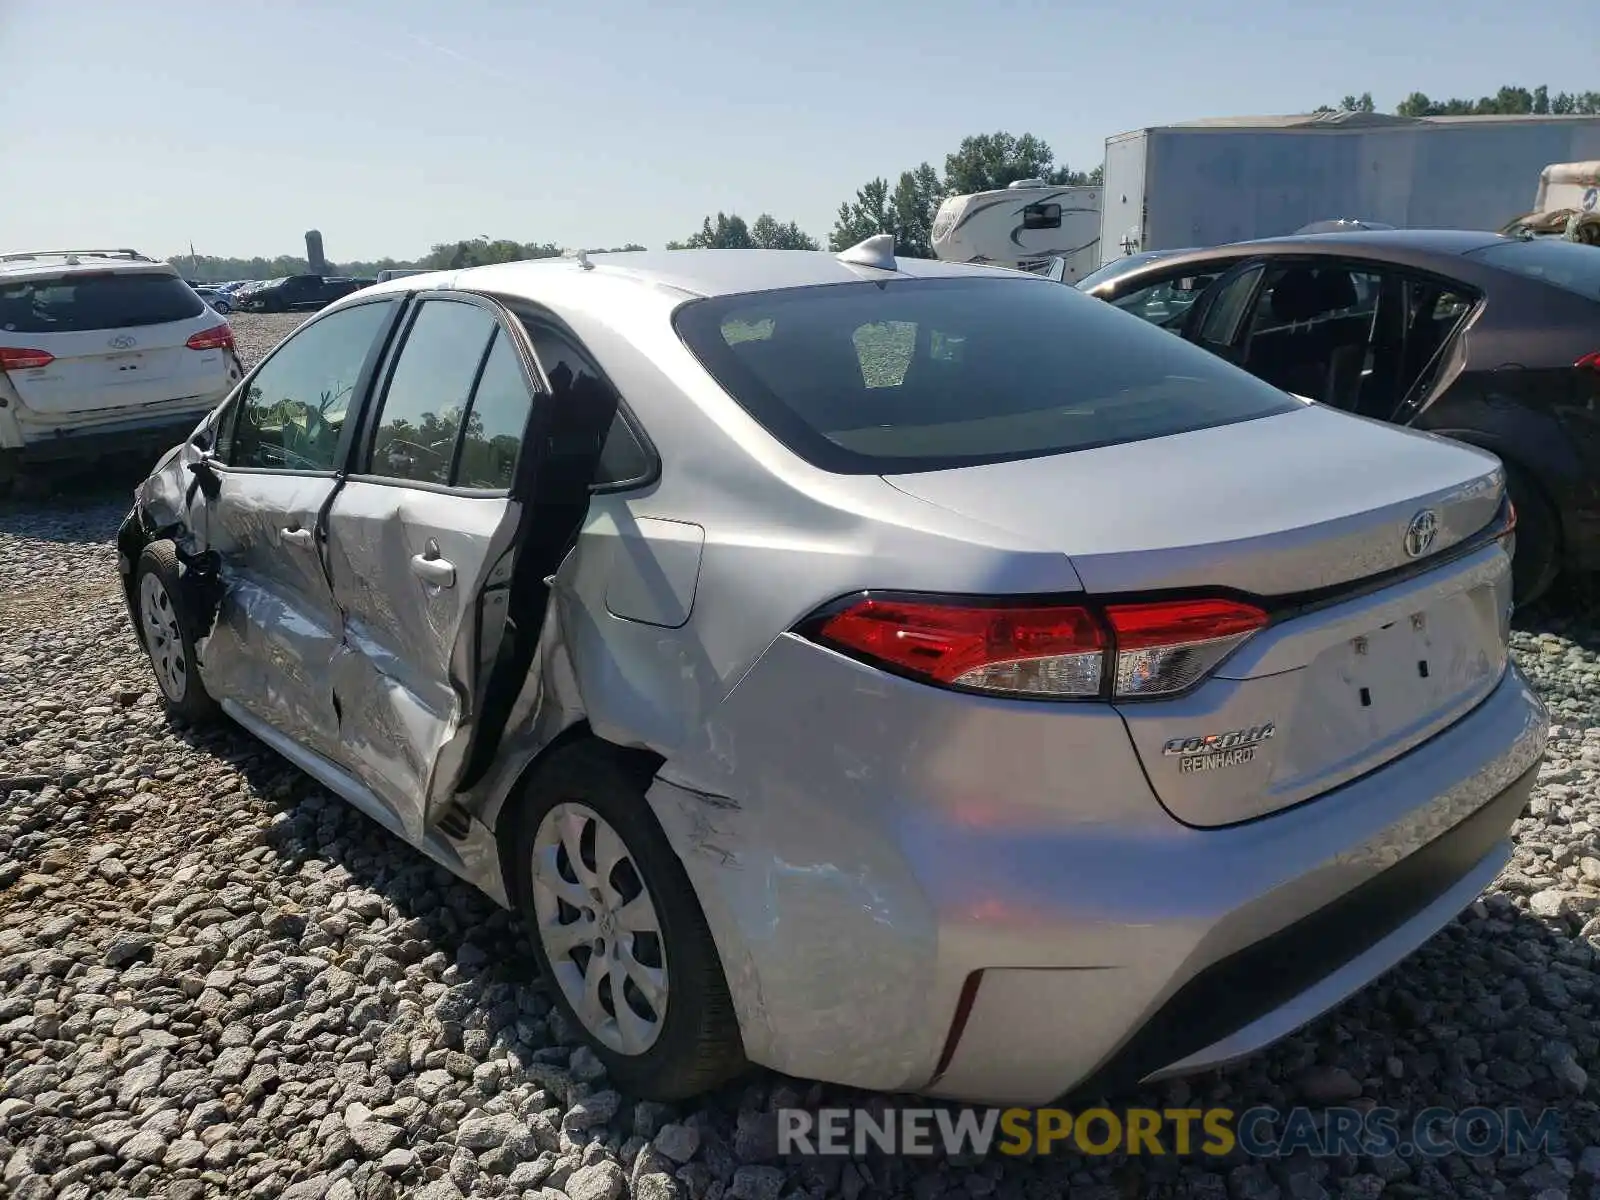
[1424, 527]
[121, 342]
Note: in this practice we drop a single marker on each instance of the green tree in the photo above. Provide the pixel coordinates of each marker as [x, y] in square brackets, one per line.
[727, 233]
[1507, 101]
[987, 161]
[915, 203]
[481, 251]
[769, 234]
[869, 214]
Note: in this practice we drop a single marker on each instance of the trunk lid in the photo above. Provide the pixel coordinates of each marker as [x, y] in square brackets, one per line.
[1278, 507]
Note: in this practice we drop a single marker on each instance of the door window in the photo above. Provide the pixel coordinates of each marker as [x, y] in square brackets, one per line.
[496, 420]
[1314, 332]
[292, 414]
[1228, 309]
[428, 392]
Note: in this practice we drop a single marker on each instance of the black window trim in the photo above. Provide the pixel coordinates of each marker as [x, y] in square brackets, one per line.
[504, 320]
[358, 394]
[528, 312]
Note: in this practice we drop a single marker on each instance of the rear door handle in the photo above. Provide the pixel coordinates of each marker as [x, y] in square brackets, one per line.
[296, 537]
[437, 571]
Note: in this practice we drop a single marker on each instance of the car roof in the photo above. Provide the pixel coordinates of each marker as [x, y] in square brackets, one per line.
[1442, 250]
[691, 273]
[25, 264]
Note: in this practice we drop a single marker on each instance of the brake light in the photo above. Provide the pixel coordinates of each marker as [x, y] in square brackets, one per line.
[1060, 652]
[1592, 361]
[218, 337]
[12, 359]
[1043, 651]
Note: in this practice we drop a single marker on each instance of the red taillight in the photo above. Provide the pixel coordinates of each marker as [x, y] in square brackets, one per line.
[14, 359]
[1592, 361]
[1166, 647]
[1157, 648]
[218, 337]
[1052, 651]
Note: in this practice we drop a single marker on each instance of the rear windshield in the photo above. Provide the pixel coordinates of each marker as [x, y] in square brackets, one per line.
[922, 375]
[1550, 260]
[75, 303]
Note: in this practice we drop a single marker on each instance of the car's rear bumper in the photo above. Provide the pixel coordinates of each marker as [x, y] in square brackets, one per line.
[912, 889]
[126, 441]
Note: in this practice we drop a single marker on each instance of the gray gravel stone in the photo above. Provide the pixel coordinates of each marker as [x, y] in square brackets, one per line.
[218, 980]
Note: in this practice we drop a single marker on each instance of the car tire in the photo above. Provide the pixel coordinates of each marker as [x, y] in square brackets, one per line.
[222, 307]
[1537, 560]
[599, 791]
[166, 628]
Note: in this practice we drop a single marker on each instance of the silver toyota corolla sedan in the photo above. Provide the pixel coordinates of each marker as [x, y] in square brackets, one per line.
[916, 676]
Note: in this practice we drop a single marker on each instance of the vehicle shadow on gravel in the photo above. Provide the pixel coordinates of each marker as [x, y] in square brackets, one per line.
[77, 508]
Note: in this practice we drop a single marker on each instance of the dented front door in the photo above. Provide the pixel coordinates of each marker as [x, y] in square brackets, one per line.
[420, 541]
[262, 514]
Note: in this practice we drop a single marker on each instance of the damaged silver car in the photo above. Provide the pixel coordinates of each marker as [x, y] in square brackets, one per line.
[911, 675]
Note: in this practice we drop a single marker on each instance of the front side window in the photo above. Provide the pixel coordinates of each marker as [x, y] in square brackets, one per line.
[927, 374]
[428, 391]
[292, 413]
[1228, 309]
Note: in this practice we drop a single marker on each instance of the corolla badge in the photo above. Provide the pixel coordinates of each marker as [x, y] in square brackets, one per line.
[122, 341]
[1421, 531]
[1211, 751]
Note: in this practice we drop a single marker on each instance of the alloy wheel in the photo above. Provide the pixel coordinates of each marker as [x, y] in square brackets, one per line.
[599, 928]
[163, 639]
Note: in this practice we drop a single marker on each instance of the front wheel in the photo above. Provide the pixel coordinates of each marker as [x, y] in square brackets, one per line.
[166, 627]
[618, 931]
[1537, 560]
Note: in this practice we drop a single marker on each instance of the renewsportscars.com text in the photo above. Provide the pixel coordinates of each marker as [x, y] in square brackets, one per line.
[1260, 1132]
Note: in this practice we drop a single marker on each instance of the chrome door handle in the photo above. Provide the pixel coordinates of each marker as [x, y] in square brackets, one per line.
[437, 571]
[296, 537]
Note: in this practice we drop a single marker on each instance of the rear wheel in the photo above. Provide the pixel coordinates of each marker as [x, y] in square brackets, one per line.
[1537, 561]
[618, 930]
[167, 629]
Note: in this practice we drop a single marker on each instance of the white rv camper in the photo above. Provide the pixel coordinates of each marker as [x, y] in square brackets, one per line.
[1024, 226]
[1566, 205]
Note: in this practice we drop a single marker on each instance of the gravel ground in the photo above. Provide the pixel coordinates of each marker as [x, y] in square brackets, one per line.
[218, 980]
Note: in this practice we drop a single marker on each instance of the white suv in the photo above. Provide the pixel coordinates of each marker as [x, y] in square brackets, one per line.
[103, 352]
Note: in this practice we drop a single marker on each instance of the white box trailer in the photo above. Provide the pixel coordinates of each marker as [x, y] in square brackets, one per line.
[1205, 182]
[1026, 226]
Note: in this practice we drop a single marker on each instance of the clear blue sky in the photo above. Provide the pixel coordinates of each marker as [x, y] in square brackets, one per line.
[394, 124]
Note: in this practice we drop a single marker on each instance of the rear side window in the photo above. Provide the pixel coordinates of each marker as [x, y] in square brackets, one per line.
[1562, 264]
[96, 300]
[921, 375]
[427, 396]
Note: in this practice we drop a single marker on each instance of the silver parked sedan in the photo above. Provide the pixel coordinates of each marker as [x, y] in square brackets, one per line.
[906, 674]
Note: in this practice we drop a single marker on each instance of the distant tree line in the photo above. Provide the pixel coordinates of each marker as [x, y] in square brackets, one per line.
[1508, 101]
